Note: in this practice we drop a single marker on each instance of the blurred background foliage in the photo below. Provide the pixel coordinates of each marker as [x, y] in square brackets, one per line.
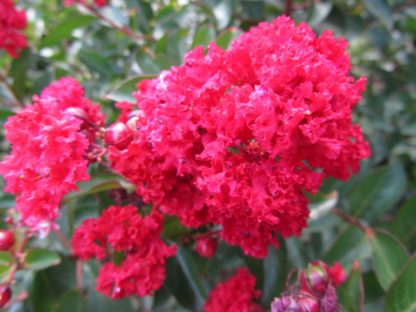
[110, 49]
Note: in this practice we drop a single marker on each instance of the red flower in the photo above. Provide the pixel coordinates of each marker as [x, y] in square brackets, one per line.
[237, 294]
[12, 22]
[235, 138]
[124, 230]
[206, 246]
[48, 148]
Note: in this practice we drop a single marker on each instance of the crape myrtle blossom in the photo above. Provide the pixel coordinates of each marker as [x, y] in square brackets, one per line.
[124, 230]
[237, 294]
[49, 143]
[235, 138]
[12, 23]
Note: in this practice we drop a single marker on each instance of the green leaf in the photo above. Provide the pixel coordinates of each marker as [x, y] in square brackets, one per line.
[183, 280]
[351, 292]
[6, 258]
[389, 256]
[71, 301]
[63, 30]
[226, 37]
[275, 267]
[348, 245]
[319, 12]
[223, 12]
[401, 296]
[203, 36]
[39, 259]
[378, 192]
[190, 270]
[403, 225]
[380, 10]
[96, 62]
[7, 265]
[124, 90]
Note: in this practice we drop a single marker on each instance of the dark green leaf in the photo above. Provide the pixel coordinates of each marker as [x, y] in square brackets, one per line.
[377, 192]
[403, 225]
[71, 301]
[389, 256]
[351, 292]
[401, 296]
[96, 62]
[348, 245]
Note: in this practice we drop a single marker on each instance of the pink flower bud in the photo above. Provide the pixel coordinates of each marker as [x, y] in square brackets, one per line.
[5, 295]
[206, 246]
[314, 279]
[119, 135]
[6, 239]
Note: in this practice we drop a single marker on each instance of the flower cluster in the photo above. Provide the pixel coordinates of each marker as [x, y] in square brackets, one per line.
[317, 290]
[49, 140]
[98, 3]
[124, 230]
[237, 294]
[235, 138]
[12, 22]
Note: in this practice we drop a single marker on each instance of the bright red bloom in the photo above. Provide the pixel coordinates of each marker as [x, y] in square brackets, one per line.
[98, 3]
[235, 138]
[12, 23]
[237, 294]
[48, 149]
[124, 230]
[206, 246]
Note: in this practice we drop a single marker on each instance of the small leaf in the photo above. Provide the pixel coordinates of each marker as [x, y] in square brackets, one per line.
[380, 10]
[377, 192]
[401, 296]
[226, 37]
[389, 256]
[39, 259]
[6, 258]
[204, 35]
[124, 90]
[351, 292]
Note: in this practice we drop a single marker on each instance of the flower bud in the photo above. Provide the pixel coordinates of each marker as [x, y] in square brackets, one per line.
[6, 239]
[299, 302]
[119, 135]
[5, 295]
[314, 279]
[206, 246]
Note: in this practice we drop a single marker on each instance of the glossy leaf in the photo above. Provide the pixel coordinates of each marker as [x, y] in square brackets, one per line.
[389, 256]
[351, 292]
[377, 192]
[124, 90]
[39, 259]
[401, 296]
